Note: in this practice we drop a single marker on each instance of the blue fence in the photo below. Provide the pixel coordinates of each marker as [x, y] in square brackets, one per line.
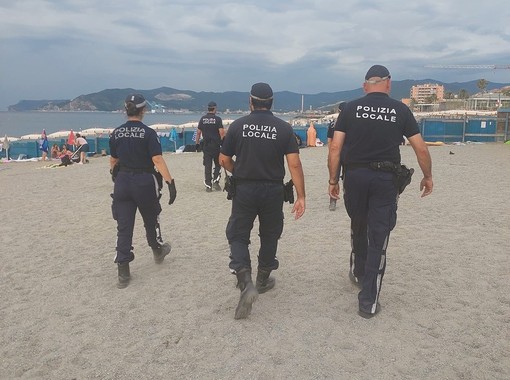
[99, 145]
[454, 130]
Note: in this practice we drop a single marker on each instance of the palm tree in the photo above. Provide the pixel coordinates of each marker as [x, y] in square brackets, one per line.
[482, 84]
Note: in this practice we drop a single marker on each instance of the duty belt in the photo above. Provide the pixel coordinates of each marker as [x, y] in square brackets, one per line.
[245, 180]
[135, 170]
[386, 166]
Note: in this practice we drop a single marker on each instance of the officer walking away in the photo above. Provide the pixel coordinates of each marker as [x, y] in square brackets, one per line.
[135, 154]
[370, 130]
[210, 127]
[259, 141]
[331, 131]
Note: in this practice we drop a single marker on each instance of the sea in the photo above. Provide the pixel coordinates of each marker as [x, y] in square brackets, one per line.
[17, 124]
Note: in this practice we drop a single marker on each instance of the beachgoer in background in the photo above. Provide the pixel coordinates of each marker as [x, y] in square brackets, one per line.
[258, 173]
[372, 127]
[135, 150]
[331, 131]
[65, 156]
[83, 146]
[55, 151]
[210, 127]
[44, 145]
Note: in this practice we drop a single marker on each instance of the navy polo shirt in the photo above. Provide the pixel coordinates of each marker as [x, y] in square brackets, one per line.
[374, 126]
[259, 141]
[134, 144]
[209, 125]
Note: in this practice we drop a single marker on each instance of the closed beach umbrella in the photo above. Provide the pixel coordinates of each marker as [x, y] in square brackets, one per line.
[6, 146]
[70, 138]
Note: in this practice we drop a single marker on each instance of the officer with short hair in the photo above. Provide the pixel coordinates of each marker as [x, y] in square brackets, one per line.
[135, 151]
[211, 128]
[370, 130]
[259, 141]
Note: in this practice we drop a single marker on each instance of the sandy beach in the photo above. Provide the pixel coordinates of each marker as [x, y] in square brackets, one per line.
[445, 297]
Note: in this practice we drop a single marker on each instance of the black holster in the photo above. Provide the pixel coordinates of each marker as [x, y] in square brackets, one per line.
[230, 186]
[402, 173]
[288, 192]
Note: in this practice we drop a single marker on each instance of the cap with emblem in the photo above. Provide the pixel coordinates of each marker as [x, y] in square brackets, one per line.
[137, 99]
[377, 71]
[261, 91]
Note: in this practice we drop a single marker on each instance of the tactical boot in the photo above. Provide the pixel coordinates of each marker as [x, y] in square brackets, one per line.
[208, 188]
[124, 275]
[264, 282]
[248, 293]
[161, 252]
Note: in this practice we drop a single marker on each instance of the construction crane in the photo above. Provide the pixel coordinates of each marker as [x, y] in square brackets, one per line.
[491, 67]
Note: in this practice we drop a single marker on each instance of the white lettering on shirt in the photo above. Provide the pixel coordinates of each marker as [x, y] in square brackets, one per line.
[259, 131]
[136, 132]
[376, 113]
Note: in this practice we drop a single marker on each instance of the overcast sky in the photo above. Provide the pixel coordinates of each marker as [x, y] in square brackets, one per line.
[62, 49]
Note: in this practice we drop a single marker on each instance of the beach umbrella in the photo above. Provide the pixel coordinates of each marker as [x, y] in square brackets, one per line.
[6, 146]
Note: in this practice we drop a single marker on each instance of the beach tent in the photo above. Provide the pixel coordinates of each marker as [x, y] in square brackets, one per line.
[30, 137]
[96, 132]
[162, 127]
[58, 135]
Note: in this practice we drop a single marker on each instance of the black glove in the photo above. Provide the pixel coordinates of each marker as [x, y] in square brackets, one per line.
[172, 190]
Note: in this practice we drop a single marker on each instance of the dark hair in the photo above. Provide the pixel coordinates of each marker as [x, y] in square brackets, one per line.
[261, 103]
[131, 109]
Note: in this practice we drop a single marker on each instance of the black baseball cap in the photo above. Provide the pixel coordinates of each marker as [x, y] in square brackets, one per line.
[137, 99]
[377, 71]
[211, 105]
[261, 91]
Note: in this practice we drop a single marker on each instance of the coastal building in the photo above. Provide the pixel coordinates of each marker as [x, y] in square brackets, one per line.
[427, 93]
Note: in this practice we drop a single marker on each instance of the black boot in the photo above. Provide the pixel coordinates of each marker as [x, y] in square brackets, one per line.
[248, 293]
[161, 252]
[264, 282]
[124, 275]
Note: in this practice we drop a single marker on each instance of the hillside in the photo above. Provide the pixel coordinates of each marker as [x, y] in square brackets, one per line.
[173, 99]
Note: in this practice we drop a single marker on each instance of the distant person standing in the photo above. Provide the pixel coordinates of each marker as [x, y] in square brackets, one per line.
[210, 127]
[83, 146]
[331, 131]
[259, 141]
[44, 145]
[371, 129]
[135, 151]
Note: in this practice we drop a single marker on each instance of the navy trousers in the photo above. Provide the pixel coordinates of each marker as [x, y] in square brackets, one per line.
[252, 199]
[211, 152]
[134, 191]
[370, 198]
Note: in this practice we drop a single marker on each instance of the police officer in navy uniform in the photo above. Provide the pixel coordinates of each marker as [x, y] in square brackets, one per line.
[370, 130]
[330, 133]
[135, 153]
[210, 127]
[259, 141]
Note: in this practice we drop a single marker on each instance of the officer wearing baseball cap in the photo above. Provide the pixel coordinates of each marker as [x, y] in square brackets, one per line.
[370, 130]
[259, 142]
[138, 170]
[211, 128]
